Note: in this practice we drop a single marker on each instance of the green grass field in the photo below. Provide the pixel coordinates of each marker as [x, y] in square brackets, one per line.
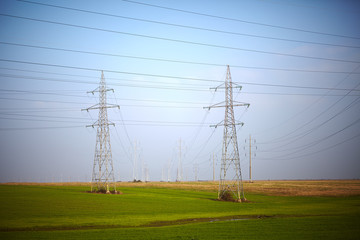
[163, 212]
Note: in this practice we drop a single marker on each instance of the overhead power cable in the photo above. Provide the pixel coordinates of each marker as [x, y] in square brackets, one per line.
[313, 129]
[186, 26]
[286, 137]
[106, 70]
[39, 120]
[140, 85]
[324, 149]
[34, 110]
[83, 96]
[166, 76]
[316, 101]
[125, 122]
[39, 128]
[242, 21]
[169, 60]
[40, 100]
[309, 145]
[123, 105]
[43, 116]
[244, 83]
[180, 102]
[312, 153]
[180, 41]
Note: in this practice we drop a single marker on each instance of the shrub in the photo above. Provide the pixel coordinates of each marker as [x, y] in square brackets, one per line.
[227, 196]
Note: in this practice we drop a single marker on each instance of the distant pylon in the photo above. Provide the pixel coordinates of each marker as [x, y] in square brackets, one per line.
[251, 155]
[179, 175]
[196, 172]
[103, 169]
[230, 184]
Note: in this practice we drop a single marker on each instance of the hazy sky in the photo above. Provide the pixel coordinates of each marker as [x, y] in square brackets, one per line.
[297, 61]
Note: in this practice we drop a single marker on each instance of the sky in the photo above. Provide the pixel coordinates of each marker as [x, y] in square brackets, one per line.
[298, 63]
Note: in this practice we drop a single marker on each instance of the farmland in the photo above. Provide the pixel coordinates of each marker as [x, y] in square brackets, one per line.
[187, 210]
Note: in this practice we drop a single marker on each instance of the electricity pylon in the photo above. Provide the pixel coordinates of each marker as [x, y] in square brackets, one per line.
[103, 168]
[230, 184]
[251, 154]
[196, 171]
[179, 176]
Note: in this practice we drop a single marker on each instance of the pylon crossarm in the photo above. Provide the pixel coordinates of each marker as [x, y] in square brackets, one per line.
[95, 90]
[214, 106]
[104, 124]
[224, 87]
[216, 125]
[241, 104]
[90, 108]
[232, 105]
[223, 124]
[99, 90]
[235, 85]
[97, 106]
[218, 87]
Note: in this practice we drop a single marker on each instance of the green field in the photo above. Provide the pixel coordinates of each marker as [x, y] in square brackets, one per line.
[160, 211]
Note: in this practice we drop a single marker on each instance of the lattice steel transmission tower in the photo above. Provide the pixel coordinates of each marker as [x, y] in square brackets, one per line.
[179, 175]
[103, 169]
[230, 184]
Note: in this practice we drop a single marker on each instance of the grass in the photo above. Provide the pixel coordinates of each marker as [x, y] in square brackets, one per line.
[180, 211]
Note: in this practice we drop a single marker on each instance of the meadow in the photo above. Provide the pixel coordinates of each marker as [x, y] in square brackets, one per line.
[187, 210]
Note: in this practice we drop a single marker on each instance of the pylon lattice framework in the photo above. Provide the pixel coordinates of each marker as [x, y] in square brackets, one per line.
[230, 183]
[103, 169]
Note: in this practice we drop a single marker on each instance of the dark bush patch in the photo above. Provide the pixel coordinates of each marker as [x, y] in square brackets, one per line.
[103, 191]
[227, 196]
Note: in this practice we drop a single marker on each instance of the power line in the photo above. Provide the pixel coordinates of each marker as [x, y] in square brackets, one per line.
[39, 128]
[39, 100]
[185, 89]
[242, 21]
[312, 153]
[316, 142]
[161, 87]
[330, 147]
[316, 117]
[164, 60]
[37, 120]
[10, 91]
[353, 10]
[140, 100]
[122, 146]
[180, 41]
[82, 96]
[187, 26]
[114, 84]
[107, 70]
[25, 117]
[197, 63]
[302, 135]
[42, 116]
[301, 87]
[123, 105]
[35, 110]
[317, 100]
[39, 109]
[162, 76]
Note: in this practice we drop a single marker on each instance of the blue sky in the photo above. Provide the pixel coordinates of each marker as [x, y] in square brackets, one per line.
[162, 73]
